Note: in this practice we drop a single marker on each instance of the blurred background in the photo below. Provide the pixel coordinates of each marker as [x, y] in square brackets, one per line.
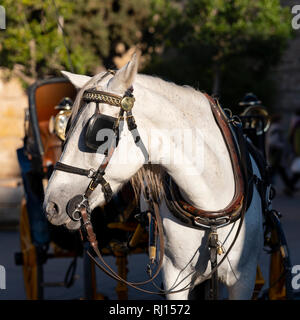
[228, 48]
[224, 47]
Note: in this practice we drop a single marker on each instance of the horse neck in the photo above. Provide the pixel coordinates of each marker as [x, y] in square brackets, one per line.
[206, 181]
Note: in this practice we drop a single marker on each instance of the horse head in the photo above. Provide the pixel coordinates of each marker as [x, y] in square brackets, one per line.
[93, 122]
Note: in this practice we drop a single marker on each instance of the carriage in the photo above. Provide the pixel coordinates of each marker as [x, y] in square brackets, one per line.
[49, 104]
[256, 121]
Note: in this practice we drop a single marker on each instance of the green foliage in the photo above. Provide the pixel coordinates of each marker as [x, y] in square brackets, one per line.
[235, 42]
[197, 42]
[95, 31]
[32, 40]
[108, 28]
[230, 26]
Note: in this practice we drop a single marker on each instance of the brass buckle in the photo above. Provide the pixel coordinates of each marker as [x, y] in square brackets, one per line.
[127, 103]
[90, 186]
[105, 185]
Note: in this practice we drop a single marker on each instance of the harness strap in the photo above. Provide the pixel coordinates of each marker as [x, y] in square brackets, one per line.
[96, 176]
[90, 235]
[110, 272]
[213, 245]
[99, 179]
[75, 170]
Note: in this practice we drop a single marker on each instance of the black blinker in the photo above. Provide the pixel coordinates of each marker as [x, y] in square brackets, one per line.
[96, 139]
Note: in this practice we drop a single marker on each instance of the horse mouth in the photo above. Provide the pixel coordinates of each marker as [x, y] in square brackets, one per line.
[53, 214]
[72, 225]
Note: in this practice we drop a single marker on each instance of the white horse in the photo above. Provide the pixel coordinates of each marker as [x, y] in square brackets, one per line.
[207, 184]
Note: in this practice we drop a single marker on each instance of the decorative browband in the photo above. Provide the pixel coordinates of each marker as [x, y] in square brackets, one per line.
[102, 97]
[125, 102]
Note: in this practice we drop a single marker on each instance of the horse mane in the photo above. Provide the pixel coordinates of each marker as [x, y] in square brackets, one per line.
[149, 180]
[151, 176]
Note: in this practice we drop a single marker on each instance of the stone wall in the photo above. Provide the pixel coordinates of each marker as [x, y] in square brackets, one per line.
[13, 101]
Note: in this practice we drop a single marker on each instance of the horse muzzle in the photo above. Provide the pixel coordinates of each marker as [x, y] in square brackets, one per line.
[53, 213]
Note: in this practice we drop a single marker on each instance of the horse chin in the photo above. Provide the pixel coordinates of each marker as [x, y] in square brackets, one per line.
[72, 225]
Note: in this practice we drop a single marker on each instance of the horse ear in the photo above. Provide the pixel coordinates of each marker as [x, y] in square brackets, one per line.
[124, 77]
[77, 80]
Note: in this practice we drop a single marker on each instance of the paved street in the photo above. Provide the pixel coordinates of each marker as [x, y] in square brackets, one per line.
[55, 269]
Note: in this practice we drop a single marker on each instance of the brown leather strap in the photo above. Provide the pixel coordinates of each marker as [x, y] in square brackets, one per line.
[89, 228]
[107, 158]
[106, 268]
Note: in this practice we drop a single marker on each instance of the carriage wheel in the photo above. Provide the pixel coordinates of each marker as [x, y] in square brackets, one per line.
[280, 263]
[32, 271]
[277, 289]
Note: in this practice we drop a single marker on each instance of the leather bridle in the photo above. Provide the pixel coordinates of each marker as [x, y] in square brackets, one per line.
[125, 104]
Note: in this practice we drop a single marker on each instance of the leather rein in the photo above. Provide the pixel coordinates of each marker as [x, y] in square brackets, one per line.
[236, 209]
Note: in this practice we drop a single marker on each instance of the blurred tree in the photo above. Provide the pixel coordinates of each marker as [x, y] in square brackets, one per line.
[32, 44]
[226, 46]
[46, 36]
[109, 28]
[220, 46]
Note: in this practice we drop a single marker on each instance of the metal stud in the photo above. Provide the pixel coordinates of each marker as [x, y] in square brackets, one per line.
[127, 103]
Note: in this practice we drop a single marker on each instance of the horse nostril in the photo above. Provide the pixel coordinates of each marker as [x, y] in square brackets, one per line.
[52, 209]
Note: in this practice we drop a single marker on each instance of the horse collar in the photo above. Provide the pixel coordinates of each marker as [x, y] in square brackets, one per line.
[242, 170]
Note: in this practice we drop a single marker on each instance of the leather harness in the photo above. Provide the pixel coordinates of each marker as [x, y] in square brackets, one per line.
[233, 137]
[242, 169]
